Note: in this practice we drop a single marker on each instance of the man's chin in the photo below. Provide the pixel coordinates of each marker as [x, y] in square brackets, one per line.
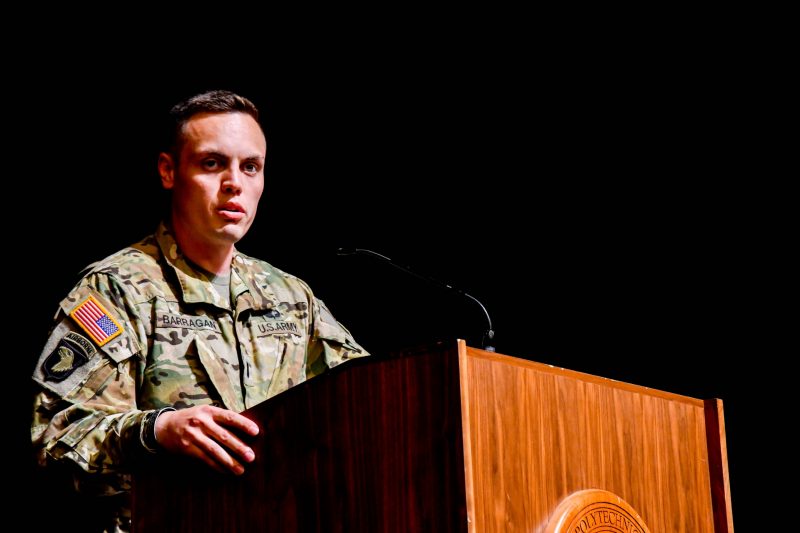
[231, 233]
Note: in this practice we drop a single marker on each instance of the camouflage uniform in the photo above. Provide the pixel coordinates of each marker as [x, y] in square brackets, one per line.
[169, 339]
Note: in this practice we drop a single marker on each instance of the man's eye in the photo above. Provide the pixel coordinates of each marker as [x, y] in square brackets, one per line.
[210, 164]
[251, 168]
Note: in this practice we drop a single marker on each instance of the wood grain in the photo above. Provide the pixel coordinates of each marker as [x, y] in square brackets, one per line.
[539, 433]
[372, 446]
[452, 439]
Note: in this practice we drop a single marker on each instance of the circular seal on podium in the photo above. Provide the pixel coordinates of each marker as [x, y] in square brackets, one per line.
[595, 511]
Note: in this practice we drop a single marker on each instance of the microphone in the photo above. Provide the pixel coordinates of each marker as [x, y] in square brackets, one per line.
[488, 336]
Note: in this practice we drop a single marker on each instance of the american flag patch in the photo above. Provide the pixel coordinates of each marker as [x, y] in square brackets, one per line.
[96, 321]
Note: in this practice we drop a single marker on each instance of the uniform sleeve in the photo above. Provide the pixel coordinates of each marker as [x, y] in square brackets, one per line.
[85, 411]
[331, 343]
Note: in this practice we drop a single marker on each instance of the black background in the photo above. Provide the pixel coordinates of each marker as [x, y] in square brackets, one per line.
[603, 202]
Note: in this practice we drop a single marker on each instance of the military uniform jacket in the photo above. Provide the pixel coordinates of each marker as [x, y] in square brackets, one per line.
[144, 330]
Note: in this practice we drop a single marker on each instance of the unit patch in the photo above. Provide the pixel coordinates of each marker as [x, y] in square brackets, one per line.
[73, 350]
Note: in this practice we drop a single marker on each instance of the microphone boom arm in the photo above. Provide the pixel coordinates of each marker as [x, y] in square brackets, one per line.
[489, 332]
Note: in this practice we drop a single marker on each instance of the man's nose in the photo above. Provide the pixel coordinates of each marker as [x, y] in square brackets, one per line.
[232, 181]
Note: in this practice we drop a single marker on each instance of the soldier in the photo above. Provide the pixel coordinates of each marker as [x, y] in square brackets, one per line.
[160, 346]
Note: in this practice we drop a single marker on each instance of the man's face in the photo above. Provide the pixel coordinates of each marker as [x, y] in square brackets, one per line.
[218, 179]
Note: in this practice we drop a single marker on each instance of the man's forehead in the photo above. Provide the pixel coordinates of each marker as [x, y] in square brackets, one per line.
[224, 133]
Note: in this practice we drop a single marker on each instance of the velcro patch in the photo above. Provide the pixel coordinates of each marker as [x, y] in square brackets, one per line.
[172, 320]
[73, 350]
[96, 321]
[279, 327]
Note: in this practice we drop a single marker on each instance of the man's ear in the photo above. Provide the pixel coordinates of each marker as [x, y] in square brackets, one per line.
[166, 168]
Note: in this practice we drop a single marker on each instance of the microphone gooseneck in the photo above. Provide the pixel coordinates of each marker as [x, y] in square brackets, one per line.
[488, 335]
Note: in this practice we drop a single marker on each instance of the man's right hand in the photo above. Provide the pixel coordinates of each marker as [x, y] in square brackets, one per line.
[203, 431]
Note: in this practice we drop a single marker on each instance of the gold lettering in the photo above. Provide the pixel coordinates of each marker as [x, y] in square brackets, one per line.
[83, 342]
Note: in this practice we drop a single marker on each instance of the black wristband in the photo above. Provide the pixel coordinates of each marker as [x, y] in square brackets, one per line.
[147, 430]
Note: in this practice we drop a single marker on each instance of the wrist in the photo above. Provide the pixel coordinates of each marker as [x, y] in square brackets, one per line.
[147, 429]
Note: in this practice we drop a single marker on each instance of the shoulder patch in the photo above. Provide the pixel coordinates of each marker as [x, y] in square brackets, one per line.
[72, 351]
[96, 321]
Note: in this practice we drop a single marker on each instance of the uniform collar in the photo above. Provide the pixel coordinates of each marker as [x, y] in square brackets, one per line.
[195, 287]
[250, 284]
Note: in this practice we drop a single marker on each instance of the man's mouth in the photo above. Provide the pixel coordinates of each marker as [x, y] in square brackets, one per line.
[231, 211]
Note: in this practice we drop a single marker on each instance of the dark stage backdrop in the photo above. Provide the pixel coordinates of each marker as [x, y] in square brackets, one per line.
[590, 208]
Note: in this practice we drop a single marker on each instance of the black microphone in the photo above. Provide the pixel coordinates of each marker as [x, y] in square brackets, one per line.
[487, 337]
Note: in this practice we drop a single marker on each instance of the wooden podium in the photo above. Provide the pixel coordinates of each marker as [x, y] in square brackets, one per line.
[453, 439]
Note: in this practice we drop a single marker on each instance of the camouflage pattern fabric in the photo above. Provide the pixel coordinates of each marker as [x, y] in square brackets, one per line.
[162, 336]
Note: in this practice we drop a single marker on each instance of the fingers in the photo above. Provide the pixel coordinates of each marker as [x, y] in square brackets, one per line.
[209, 460]
[235, 420]
[218, 457]
[205, 432]
[222, 441]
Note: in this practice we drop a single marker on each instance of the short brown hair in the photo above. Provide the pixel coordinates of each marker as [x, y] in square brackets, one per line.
[217, 101]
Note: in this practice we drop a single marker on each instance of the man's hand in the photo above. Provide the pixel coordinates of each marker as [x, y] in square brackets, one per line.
[203, 432]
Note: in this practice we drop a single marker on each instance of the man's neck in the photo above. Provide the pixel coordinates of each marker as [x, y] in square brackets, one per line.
[213, 258]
